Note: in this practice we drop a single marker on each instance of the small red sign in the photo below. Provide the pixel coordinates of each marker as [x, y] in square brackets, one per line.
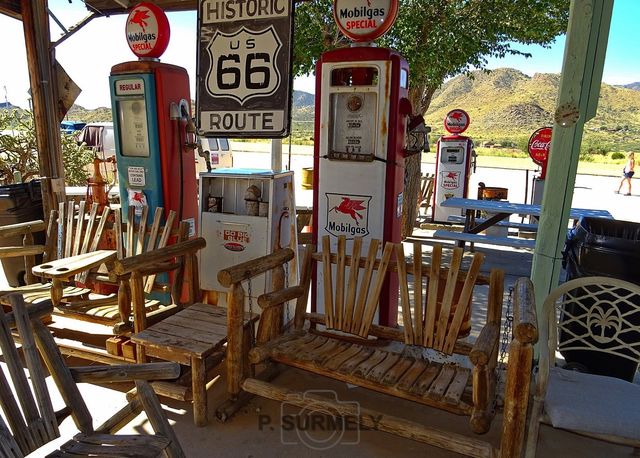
[456, 121]
[539, 145]
[147, 30]
[364, 20]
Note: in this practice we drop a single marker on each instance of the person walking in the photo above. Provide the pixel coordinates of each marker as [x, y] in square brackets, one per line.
[627, 174]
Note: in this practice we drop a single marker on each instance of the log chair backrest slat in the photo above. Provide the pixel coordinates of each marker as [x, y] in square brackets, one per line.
[34, 423]
[439, 325]
[352, 311]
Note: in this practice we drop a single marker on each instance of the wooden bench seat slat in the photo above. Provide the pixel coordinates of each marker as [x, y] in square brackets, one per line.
[421, 386]
[334, 363]
[442, 381]
[151, 338]
[380, 370]
[189, 334]
[327, 283]
[350, 365]
[411, 375]
[395, 373]
[367, 365]
[457, 387]
[180, 320]
[306, 351]
[297, 347]
[329, 349]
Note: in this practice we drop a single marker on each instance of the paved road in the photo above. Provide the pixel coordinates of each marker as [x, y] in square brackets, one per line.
[595, 192]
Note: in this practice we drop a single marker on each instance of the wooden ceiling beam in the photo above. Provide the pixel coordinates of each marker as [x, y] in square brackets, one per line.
[11, 8]
[109, 7]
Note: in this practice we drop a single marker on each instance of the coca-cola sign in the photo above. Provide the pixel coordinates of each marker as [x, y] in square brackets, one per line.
[364, 20]
[539, 145]
[456, 121]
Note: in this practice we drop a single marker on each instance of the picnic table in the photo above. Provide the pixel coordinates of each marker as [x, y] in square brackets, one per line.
[500, 211]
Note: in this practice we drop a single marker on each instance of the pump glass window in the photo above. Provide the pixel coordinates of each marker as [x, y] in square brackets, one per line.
[353, 115]
[134, 136]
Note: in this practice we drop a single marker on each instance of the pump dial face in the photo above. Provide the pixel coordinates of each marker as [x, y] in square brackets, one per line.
[567, 115]
[354, 103]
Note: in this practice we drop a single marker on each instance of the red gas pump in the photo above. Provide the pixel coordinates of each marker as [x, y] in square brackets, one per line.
[155, 137]
[455, 160]
[361, 120]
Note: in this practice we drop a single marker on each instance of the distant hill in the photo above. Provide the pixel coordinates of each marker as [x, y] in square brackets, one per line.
[507, 105]
[634, 86]
[302, 109]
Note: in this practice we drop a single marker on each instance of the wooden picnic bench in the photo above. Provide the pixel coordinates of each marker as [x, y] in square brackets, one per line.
[345, 344]
[505, 223]
[444, 234]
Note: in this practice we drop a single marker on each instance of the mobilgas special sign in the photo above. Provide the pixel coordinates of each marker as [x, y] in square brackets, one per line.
[244, 68]
[364, 20]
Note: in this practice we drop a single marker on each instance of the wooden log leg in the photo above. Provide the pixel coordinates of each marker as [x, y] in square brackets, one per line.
[198, 386]
[247, 340]
[516, 398]
[532, 433]
[235, 312]
[56, 291]
[124, 301]
[481, 416]
[157, 418]
[228, 408]
[375, 420]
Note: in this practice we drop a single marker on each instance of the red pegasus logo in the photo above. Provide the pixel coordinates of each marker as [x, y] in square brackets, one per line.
[350, 207]
[140, 17]
[138, 197]
[452, 175]
[457, 115]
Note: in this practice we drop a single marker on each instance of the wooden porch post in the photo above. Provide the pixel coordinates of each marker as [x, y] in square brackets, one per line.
[584, 53]
[40, 58]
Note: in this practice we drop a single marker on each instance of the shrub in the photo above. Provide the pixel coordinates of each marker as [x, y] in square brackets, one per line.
[617, 155]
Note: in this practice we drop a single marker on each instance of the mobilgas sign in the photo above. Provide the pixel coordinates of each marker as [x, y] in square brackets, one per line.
[244, 68]
[364, 20]
[147, 30]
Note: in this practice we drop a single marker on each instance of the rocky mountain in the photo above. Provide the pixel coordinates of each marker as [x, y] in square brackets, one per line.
[507, 105]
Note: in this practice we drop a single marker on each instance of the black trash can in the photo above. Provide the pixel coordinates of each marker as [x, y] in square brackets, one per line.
[19, 203]
[610, 248]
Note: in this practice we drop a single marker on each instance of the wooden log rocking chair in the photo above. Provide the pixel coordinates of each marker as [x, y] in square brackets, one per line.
[344, 343]
[31, 421]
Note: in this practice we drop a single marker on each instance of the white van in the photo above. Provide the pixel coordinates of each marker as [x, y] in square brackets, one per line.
[219, 152]
[99, 136]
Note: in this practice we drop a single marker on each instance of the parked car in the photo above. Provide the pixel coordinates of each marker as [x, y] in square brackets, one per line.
[71, 127]
[219, 152]
[99, 136]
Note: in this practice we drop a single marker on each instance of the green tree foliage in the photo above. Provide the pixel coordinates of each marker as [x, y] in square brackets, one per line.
[18, 150]
[439, 38]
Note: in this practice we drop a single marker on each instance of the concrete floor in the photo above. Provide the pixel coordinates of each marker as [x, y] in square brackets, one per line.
[258, 431]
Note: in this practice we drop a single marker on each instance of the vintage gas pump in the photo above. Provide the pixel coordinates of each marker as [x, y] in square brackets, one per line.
[538, 148]
[362, 114]
[155, 137]
[455, 161]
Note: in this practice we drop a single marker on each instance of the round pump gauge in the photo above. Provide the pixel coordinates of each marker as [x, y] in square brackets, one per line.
[354, 103]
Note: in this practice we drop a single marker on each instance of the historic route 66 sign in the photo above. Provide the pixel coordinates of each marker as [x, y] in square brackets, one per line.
[244, 68]
[243, 64]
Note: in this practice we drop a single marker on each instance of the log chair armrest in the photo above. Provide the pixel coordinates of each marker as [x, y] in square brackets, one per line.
[22, 228]
[249, 269]
[65, 268]
[20, 251]
[525, 322]
[146, 261]
[35, 311]
[485, 344]
[278, 298]
[126, 372]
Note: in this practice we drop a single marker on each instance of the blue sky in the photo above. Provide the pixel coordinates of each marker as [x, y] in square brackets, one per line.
[89, 54]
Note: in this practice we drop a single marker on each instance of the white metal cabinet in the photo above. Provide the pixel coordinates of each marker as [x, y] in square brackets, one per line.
[232, 235]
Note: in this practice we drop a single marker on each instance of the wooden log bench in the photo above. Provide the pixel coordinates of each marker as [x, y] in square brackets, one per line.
[486, 239]
[344, 343]
[505, 223]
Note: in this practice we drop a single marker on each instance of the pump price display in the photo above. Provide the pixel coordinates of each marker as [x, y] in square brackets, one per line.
[244, 67]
